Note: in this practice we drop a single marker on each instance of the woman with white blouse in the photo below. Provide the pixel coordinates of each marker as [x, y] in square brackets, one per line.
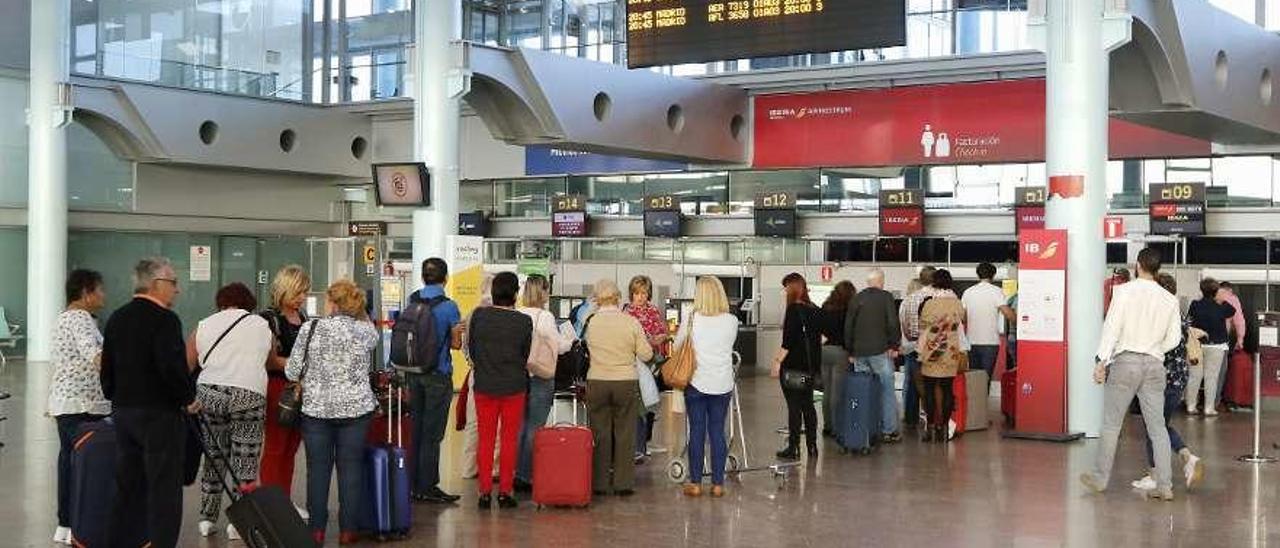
[231, 349]
[331, 359]
[549, 343]
[711, 330]
[75, 393]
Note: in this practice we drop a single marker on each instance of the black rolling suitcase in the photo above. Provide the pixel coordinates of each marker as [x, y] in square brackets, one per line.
[93, 484]
[264, 517]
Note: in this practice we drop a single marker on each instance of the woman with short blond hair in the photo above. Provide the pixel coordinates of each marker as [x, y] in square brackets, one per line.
[331, 360]
[616, 341]
[712, 331]
[285, 318]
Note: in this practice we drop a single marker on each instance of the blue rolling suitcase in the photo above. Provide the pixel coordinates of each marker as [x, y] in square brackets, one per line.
[388, 478]
[93, 483]
[858, 418]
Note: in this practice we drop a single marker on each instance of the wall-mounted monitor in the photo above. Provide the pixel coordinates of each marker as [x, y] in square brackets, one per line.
[406, 184]
[474, 223]
[662, 224]
[569, 224]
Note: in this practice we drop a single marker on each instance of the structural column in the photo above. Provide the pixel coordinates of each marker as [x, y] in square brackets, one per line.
[47, 178]
[438, 88]
[1078, 38]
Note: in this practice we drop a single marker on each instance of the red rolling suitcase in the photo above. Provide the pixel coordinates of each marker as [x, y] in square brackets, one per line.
[1009, 395]
[562, 464]
[1239, 388]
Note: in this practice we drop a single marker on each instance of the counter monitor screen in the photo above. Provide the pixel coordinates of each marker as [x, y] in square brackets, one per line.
[672, 32]
[402, 184]
[775, 223]
[662, 224]
[569, 224]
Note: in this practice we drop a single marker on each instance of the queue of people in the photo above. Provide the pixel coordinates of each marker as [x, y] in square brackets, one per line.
[236, 366]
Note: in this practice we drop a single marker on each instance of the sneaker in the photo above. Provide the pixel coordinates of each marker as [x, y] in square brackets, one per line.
[232, 533]
[485, 501]
[1193, 411]
[1147, 483]
[1210, 412]
[1091, 482]
[62, 535]
[206, 528]
[1165, 495]
[1194, 471]
[506, 501]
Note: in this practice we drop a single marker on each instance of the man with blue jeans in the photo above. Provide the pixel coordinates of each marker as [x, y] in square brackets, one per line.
[871, 335]
[430, 393]
[982, 304]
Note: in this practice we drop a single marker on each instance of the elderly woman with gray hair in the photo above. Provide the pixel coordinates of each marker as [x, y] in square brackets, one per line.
[616, 341]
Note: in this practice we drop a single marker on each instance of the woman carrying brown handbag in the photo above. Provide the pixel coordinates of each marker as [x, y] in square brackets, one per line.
[710, 333]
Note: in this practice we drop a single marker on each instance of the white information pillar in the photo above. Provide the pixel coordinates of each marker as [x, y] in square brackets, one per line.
[1077, 37]
[48, 115]
[439, 85]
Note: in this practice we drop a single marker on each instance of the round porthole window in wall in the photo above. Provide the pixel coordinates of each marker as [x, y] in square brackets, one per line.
[358, 147]
[675, 118]
[208, 132]
[736, 126]
[601, 106]
[1264, 88]
[287, 139]
[1220, 70]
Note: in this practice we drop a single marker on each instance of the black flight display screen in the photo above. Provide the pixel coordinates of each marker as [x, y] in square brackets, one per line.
[1177, 208]
[671, 32]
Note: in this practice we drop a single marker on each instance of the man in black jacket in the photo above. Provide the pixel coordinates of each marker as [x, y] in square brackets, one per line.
[872, 335]
[144, 374]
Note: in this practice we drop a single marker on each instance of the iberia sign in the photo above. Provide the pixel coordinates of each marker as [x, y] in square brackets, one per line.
[974, 123]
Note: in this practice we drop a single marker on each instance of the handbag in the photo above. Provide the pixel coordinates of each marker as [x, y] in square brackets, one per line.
[802, 380]
[649, 393]
[542, 356]
[678, 371]
[289, 413]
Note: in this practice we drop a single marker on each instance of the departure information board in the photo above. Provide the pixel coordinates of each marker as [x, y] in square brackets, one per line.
[671, 32]
[1177, 208]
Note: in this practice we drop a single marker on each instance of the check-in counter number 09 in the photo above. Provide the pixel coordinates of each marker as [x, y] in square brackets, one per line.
[1177, 192]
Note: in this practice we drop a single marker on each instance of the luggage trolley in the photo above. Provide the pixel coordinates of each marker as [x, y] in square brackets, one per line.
[738, 460]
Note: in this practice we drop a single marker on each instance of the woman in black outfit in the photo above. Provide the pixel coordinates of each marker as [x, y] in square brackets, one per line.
[797, 364]
[835, 359]
[1209, 314]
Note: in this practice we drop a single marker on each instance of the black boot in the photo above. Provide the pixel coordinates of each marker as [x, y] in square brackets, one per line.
[791, 451]
[812, 446]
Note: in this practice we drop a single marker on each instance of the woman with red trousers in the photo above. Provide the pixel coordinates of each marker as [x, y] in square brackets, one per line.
[285, 317]
[499, 340]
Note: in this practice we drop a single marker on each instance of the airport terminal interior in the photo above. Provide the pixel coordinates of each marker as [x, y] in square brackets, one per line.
[673, 141]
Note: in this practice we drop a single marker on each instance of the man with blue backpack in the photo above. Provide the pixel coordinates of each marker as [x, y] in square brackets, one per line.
[425, 334]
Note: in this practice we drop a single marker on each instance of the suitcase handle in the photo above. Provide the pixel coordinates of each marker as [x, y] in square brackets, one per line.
[199, 424]
[573, 403]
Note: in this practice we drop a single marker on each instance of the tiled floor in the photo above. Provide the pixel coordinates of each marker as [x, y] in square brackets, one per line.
[978, 491]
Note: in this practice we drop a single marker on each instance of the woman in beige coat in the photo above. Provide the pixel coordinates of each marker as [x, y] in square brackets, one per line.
[941, 354]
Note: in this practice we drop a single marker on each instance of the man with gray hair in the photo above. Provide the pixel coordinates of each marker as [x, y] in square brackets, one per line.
[144, 374]
[871, 333]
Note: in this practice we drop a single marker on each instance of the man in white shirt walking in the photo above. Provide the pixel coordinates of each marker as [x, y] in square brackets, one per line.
[982, 304]
[1142, 324]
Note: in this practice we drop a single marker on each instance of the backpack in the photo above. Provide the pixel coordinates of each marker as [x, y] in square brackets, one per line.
[571, 367]
[416, 339]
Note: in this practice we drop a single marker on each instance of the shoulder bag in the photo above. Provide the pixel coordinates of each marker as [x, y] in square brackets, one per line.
[807, 379]
[678, 371]
[542, 352]
[289, 413]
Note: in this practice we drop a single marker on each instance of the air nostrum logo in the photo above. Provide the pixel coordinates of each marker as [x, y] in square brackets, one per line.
[810, 112]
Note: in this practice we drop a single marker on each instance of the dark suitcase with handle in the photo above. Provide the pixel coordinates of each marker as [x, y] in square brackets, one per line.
[858, 416]
[264, 516]
[93, 483]
[390, 509]
[562, 463]
[1009, 395]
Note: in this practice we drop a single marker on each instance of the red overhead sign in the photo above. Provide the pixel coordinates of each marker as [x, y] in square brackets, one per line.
[1029, 217]
[974, 123]
[902, 221]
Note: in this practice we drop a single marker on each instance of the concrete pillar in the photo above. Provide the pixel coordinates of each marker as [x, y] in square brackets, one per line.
[1078, 38]
[438, 89]
[47, 182]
